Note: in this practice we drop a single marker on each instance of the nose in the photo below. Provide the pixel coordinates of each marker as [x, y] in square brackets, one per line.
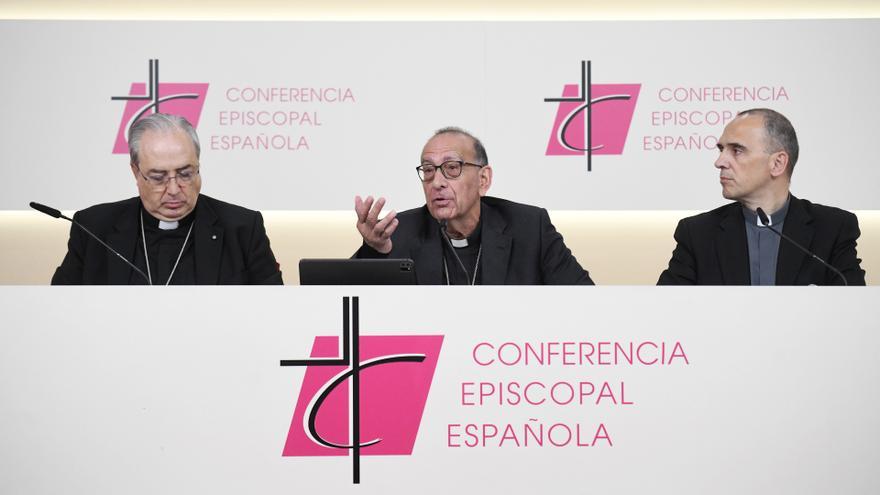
[721, 161]
[439, 180]
[173, 187]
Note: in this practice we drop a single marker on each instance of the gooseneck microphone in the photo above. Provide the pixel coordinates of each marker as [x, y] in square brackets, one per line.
[452, 248]
[52, 212]
[766, 223]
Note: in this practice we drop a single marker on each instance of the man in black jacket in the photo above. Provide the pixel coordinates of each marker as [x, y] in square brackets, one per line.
[461, 236]
[731, 246]
[172, 233]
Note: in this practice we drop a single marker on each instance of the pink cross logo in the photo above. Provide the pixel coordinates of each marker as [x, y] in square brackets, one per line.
[183, 99]
[389, 377]
[592, 118]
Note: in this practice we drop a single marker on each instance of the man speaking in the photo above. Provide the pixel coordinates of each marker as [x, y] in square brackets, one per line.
[742, 243]
[171, 232]
[461, 236]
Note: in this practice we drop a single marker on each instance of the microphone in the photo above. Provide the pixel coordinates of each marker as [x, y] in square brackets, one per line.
[452, 248]
[52, 212]
[766, 223]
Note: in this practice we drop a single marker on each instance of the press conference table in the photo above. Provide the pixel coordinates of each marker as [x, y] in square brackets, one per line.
[504, 390]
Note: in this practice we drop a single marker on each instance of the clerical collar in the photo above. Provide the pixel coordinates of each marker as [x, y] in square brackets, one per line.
[152, 222]
[776, 218]
[474, 238]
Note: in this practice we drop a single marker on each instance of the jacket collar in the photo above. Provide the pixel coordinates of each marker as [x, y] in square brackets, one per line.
[798, 226]
[208, 243]
[429, 253]
[496, 246]
[123, 238]
[733, 248]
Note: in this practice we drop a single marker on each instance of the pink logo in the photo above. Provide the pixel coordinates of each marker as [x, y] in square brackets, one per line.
[387, 378]
[184, 99]
[609, 106]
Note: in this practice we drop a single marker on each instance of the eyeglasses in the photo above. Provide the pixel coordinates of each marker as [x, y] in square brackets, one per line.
[451, 169]
[183, 177]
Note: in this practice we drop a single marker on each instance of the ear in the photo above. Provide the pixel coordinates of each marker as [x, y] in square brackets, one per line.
[485, 179]
[779, 164]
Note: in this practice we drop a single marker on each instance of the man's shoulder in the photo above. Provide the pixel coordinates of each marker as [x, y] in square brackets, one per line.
[224, 209]
[710, 218]
[104, 211]
[512, 208]
[823, 213]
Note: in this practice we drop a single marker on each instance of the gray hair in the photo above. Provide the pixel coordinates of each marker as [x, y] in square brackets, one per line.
[159, 122]
[780, 133]
[479, 149]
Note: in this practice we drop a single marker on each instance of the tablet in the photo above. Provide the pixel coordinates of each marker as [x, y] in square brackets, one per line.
[343, 271]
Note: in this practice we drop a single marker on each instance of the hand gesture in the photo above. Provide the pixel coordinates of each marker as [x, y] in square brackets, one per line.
[376, 233]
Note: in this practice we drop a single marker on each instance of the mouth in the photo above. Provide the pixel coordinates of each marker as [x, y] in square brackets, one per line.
[441, 202]
[173, 205]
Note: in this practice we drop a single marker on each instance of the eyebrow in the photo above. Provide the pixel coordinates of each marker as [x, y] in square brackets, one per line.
[181, 169]
[426, 161]
[721, 146]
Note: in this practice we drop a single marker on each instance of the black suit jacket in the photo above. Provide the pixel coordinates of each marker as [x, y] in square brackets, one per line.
[712, 248]
[231, 247]
[520, 247]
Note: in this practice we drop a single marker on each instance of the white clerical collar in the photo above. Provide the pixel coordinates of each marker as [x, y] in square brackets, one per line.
[163, 225]
[459, 243]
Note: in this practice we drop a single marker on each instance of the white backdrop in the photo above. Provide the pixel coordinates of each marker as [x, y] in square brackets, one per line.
[102, 393]
[404, 80]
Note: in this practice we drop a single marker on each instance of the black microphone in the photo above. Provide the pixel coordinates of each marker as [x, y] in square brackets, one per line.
[766, 223]
[52, 212]
[452, 248]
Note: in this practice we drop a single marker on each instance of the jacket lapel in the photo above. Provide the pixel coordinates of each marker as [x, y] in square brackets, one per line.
[495, 246]
[797, 226]
[124, 239]
[429, 269]
[208, 243]
[733, 248]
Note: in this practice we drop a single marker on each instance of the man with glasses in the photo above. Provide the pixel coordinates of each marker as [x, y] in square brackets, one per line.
[731, 245]
[171, 232]
[461, 236]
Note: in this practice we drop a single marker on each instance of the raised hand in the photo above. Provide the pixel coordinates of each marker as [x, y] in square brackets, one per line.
[376, 232]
